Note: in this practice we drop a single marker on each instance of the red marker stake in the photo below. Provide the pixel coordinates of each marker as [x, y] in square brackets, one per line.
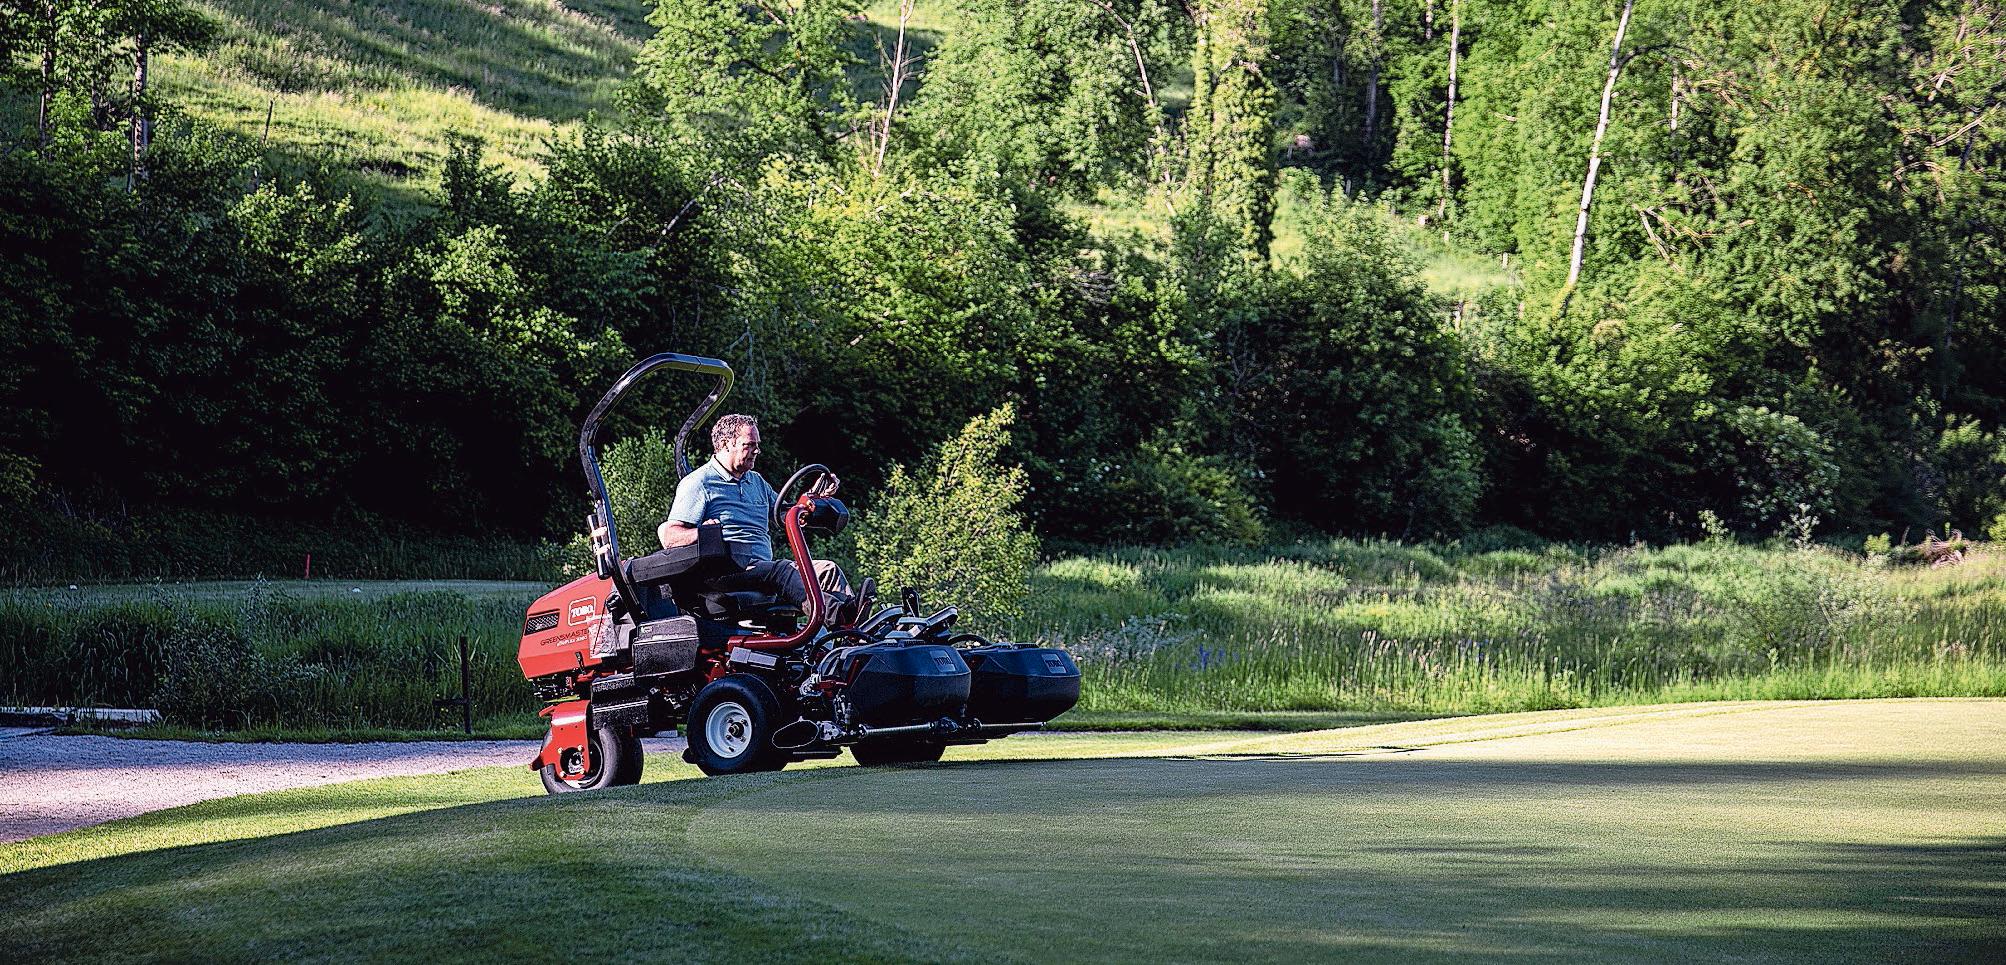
[309, 567]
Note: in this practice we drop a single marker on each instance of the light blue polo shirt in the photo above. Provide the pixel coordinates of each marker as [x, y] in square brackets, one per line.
[742, 505]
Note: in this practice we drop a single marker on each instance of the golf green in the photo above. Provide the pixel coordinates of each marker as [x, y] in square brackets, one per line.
[1868, 830]
[1789, 831]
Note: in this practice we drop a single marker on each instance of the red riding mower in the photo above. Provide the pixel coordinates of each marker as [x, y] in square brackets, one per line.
[644, 644]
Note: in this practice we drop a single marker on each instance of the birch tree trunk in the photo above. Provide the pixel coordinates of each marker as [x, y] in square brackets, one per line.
[1160, 146]
[142, 126]
[895, 78]
[48, 73]
[1616, 62]
[1372, 77]
[1449, 121]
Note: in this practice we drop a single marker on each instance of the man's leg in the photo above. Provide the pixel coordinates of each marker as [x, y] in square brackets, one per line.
[783, 579]
[832, 579]
[778, 577]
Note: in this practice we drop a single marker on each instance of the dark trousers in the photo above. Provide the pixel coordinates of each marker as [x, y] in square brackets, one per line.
[783, 579]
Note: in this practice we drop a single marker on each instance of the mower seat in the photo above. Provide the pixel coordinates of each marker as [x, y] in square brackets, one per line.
[742, 604]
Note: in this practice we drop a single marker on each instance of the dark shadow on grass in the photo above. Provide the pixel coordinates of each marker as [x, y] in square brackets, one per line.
[616, 874]
[1286, 769]
[605, 876]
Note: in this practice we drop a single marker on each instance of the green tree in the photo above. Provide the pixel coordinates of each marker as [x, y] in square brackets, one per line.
[1050, 93]
[772, 74]
[1229, 130]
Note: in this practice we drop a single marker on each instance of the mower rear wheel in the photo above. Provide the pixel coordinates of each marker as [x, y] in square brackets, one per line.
[878, 753]
[616, 761]
[731, 727]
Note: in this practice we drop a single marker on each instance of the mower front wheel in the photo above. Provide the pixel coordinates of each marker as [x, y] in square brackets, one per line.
[616, 761]
[731, 727]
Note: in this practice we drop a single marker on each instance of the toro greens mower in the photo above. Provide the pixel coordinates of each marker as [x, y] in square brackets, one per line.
[643, 645]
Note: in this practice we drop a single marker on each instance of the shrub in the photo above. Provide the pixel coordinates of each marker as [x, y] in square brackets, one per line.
[1348, 393]
[641, 477]
[1786, 470]
[952, 530]
[214, 677]
[1165, 494]
[1972, 465]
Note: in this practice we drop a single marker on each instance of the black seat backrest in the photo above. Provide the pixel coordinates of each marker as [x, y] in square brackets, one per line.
[663, 580]
[706, 558]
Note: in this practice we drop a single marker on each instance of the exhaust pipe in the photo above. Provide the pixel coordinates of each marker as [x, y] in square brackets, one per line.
[797, 735]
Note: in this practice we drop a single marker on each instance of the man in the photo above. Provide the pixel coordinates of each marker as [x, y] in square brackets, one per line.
[727, 491]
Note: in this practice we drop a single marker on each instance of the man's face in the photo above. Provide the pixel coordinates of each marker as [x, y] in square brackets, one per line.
[739, 453]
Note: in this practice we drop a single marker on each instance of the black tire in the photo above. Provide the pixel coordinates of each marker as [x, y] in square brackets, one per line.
[731, 727]
[616, 762]
[879, 753]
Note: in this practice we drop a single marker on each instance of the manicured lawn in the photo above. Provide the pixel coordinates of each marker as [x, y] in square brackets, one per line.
[1774, 831]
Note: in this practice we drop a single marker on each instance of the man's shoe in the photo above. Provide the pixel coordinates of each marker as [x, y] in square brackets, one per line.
[843, 614]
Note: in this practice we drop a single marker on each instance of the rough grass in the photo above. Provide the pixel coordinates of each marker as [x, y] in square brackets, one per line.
[1778, 832]
[316, 658]
[1283, 637]
[1345, 625]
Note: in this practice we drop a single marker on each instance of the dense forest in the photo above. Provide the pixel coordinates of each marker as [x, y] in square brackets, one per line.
[1748, 265]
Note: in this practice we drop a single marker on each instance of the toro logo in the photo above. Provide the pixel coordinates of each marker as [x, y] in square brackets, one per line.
[581, 610]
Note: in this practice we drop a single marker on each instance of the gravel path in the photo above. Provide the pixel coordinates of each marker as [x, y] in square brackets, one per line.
[50, 784]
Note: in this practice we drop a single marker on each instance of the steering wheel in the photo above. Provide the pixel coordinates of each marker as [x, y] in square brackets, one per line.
[822, 475]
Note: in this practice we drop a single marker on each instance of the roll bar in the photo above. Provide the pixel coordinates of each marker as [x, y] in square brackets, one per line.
[605, 539]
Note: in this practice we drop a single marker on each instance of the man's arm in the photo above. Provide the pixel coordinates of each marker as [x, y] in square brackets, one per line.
[675, 533]
[680, 529]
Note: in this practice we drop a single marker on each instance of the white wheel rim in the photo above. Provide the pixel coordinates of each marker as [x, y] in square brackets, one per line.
[728, 729]
[598, 763]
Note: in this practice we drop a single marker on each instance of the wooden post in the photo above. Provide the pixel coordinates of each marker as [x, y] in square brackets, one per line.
[466, 687]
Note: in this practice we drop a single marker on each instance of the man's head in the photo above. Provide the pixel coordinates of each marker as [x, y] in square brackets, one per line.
[735, 438]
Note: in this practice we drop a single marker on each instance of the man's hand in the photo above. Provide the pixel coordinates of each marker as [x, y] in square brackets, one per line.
[826, 486]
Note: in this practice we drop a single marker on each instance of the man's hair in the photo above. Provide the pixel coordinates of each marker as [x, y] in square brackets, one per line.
[726, 429]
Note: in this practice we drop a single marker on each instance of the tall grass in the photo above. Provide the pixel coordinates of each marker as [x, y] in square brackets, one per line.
[268, 657]
[50, 547]
[1345, 625]
[1334, 625]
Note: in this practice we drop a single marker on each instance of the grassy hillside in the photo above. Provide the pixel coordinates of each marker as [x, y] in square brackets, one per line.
[379, 86]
